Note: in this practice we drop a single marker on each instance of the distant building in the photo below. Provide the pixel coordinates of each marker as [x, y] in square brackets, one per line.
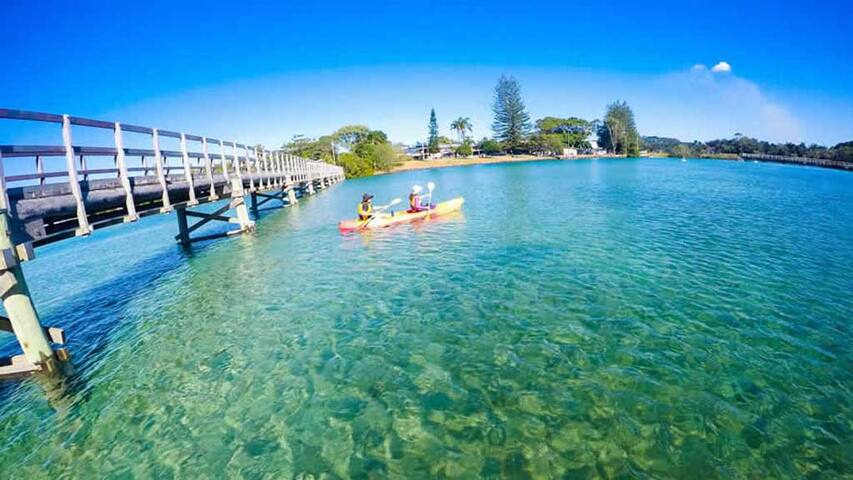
[420, 151]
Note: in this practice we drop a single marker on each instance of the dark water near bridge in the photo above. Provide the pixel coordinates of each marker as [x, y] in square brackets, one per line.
[588, 319]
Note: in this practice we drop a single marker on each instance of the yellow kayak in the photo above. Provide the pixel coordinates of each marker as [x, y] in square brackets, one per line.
[386, 220]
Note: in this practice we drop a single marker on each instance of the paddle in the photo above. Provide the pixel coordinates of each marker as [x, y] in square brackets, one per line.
[380, 209]
[430, 187]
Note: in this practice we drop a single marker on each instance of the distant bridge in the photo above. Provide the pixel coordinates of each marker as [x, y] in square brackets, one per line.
[815, 162]
[39, 206]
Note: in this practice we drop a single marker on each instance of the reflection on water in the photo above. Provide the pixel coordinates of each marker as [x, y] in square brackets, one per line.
[590, 319]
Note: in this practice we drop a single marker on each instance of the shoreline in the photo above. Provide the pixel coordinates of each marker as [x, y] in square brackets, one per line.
[461, 162]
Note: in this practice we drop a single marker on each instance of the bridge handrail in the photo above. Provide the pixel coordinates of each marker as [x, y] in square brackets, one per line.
[193, 164]
[824, 162]
[241, 158]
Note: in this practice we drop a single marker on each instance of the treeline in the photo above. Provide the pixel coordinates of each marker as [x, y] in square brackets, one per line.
[513, 132]
[358, 149]
[741, 144]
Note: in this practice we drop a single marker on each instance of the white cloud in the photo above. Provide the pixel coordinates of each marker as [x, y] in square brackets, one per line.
[699, 68]
[722, 67]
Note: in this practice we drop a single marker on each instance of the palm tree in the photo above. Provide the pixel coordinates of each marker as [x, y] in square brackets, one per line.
[461, 126]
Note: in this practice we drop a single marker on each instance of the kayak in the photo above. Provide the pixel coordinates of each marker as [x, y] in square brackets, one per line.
[386, 220]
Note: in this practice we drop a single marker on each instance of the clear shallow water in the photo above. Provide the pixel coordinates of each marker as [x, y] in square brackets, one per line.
[616, 319]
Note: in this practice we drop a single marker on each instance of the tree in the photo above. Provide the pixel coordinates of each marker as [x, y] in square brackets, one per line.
[491, 147]
[433, 141]
[511, 121]
[573, 131]
[618, 132]
[465, 149]
[461, 126]
[385, 156]
[349, 135]
[355, 166]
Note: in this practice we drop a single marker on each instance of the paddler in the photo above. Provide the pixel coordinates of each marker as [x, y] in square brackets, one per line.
[365, 208]
[415, 199]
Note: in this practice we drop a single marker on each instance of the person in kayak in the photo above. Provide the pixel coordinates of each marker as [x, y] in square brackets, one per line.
[415, 199]
[365, 208]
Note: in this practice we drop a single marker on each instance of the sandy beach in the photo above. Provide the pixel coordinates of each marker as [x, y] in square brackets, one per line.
[458, 162]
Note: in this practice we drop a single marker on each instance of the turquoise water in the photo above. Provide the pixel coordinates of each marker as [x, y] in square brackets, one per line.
[585, 319]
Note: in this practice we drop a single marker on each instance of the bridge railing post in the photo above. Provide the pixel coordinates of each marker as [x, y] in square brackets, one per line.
[83, 227]
[188, 171]
[236, 162]
[223, 161]
[161, 174]
[121, 164]
[209, 167]
[249, 169]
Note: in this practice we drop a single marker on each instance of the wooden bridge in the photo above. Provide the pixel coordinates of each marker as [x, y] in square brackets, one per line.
[815, 162]
[39, 205]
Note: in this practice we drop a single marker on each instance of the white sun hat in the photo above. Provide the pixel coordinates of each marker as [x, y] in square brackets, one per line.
[417, 189]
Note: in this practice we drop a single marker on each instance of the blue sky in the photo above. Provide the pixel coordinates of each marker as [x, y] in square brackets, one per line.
[260, 72]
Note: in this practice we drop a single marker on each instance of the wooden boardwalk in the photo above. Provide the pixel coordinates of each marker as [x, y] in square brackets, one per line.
[40, 206]
[815, 162]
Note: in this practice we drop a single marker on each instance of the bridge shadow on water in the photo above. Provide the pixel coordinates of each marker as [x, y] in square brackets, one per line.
[92, 318]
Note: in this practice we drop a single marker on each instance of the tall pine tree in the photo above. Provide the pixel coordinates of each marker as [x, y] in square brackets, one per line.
[511, 123]
[432, 144]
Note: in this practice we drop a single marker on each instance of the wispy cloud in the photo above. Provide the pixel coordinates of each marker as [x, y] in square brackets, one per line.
[705, 102]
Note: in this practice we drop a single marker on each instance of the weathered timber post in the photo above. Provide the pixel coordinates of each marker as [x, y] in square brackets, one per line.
[236, 162]
[238, 202]
[83, 227]
[254, 198]
[121, 163]
[249, 169]
[279, 168]
[209, 166]
[16, 296]
[288, 179]
[309, 177]
[183, 226]
[188, 171]
[223, 161]
[161, 175]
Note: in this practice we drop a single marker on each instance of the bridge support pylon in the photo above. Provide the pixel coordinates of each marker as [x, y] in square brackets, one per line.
[23, 320]
[237, 203]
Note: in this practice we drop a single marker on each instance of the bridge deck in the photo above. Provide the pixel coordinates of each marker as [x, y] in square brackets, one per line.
[46, 206]
[47, 213]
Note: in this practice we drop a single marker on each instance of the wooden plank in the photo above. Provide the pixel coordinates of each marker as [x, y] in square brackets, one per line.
[12, 151]
[88, 122]
[137, 129]
[54, 334]
[16, 367]
[35, 176]
[27, 115]
[168, 133]
[137, 152]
